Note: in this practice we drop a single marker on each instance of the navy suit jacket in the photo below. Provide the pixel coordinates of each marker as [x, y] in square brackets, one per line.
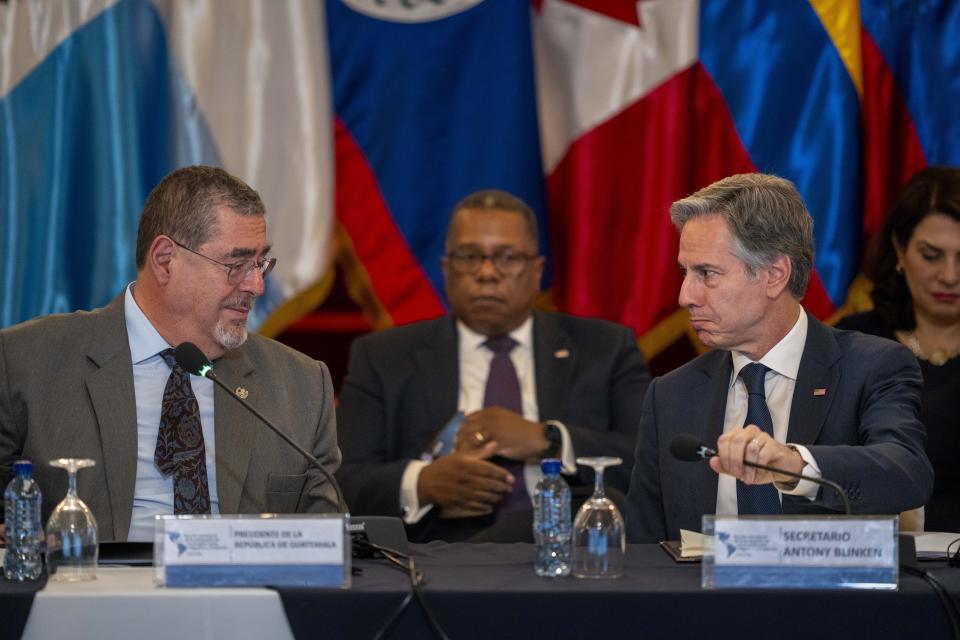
[864, 432]
[402, 386]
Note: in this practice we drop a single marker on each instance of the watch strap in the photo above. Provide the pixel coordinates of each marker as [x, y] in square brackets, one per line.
[551, 431]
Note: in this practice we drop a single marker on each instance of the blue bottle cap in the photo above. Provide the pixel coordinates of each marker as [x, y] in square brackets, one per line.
[550, 465]
[22, 468]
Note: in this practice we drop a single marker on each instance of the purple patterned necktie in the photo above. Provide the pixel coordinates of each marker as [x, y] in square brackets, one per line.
[757, 499]
[180, 451]
[503, 390]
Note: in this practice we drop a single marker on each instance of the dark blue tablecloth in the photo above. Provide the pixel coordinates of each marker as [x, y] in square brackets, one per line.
[16, 598]
[490, 591]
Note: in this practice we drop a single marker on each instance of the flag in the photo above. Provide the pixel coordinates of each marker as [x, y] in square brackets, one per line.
[365, 121]
[642, 103]
[99, 100]
[432, 101]
[638, 104]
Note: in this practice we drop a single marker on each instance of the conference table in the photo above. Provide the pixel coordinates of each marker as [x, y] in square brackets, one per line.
[490, 591]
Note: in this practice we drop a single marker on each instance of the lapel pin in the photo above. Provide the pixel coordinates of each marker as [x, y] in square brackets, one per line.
[561, 354]
[242, 393]
[819, 391]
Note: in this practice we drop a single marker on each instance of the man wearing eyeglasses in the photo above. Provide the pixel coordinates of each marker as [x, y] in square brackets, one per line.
[530, 385]
[104, 385]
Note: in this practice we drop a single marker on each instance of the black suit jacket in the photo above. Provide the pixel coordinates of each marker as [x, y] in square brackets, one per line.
[864, 432]
[402, 386]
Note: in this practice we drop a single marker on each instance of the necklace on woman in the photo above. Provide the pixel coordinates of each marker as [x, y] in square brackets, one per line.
[938, 357]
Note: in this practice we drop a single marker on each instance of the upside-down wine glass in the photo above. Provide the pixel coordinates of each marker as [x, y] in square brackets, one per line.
[599, 540]
[72, 530]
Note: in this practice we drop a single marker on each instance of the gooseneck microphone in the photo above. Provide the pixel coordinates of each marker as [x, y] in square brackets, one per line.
[690, 448]
[189, 356]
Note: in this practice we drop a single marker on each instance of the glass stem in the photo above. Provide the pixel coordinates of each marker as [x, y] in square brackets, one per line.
[72, 482]
[598, 483]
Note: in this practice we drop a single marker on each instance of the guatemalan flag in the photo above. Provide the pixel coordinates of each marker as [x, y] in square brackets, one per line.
[101, 99]
[362, 122]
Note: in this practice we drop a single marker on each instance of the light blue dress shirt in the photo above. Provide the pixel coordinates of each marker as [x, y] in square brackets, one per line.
[153, 494]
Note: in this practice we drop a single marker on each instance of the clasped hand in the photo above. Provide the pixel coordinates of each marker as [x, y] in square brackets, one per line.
[515, 437]
[465, 479]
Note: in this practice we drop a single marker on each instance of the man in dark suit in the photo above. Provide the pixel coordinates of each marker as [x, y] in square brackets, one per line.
[102, 384]
[577, 388]
[779, 388]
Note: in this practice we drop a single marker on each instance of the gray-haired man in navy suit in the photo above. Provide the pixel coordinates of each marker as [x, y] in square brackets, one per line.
[779, 388]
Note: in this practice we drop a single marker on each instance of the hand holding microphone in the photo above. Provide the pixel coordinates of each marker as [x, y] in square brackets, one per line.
[692, 449]
[740, 447]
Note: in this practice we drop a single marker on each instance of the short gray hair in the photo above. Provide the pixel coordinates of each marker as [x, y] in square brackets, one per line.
[497, 200]
[183, 206]
[766, 217]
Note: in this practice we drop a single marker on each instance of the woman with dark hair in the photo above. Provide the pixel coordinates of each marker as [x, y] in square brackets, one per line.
[916, 296]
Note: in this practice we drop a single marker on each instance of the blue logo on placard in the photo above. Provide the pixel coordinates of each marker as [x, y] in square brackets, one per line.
[175, 538]
[724, 538]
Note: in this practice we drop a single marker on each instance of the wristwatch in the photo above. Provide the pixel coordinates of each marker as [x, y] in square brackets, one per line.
[551, 431]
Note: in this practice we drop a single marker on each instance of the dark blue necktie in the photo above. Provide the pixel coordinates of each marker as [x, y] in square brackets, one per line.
[757, 499]
[180, 451]
[503, 390]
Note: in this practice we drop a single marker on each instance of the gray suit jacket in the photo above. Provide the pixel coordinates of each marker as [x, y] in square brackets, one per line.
[403, 384]
[864, 432]
[66, 390]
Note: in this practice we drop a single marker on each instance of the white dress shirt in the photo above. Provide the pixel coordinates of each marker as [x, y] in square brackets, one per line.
[474, 361]
[153, 493]
[783, 360]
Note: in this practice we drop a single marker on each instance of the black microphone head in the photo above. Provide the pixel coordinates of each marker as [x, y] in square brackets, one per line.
[189, 356]
[690, 448]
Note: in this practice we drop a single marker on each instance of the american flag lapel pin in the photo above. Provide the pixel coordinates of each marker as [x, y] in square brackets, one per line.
[819, 391]
[560, 354]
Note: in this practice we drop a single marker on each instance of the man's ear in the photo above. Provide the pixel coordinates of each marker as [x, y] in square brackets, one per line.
[538, 265]
[445, 270]
[159, 258]
[778, 275]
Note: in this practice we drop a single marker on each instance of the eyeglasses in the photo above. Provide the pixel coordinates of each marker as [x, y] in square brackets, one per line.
[507, 261]
[237, 272]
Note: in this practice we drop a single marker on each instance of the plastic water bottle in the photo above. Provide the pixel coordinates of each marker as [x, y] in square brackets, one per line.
[23, 531]
[551, 522]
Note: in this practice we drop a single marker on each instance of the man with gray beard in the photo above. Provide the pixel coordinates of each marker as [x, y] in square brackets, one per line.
[104, 385]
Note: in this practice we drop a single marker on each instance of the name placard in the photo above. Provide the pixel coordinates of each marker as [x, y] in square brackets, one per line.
[248, 551]
[800, 552]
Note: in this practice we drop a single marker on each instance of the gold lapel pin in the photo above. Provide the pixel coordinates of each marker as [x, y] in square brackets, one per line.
[561, 353]
[242, 393]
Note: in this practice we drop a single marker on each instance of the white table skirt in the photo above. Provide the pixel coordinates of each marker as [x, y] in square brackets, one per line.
[124, 603]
